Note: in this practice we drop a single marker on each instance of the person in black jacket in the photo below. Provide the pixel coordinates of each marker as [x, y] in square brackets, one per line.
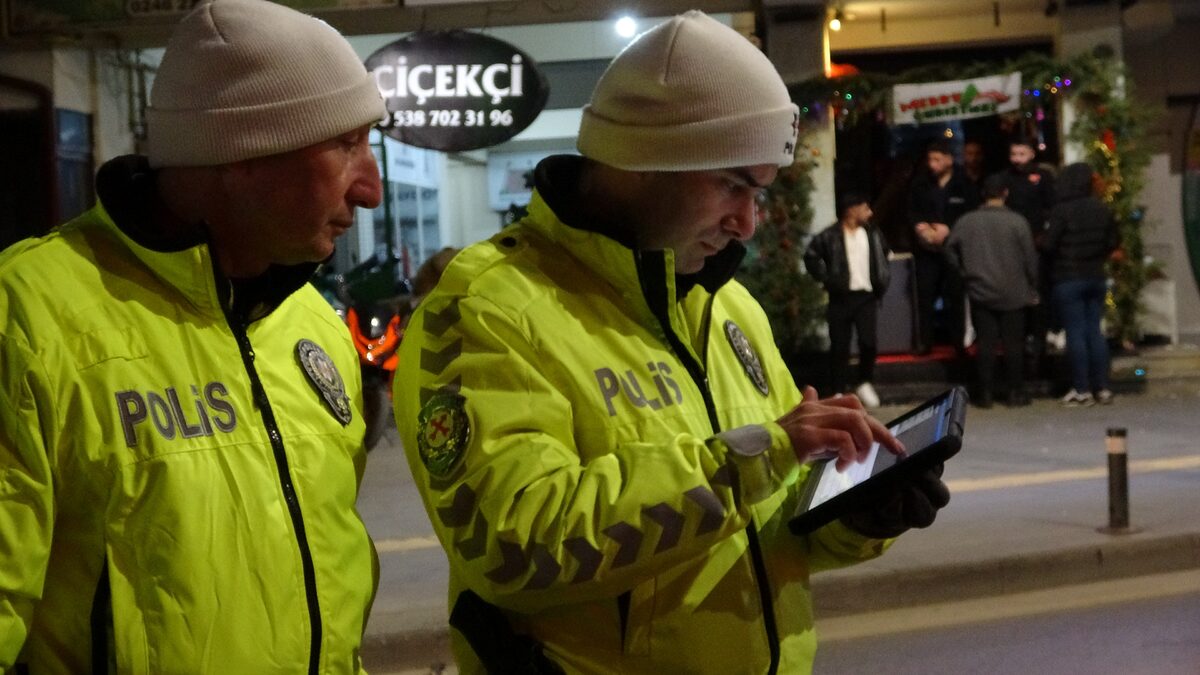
[850, 259]
[937, 198]
[1081, 236]
[1030, 186]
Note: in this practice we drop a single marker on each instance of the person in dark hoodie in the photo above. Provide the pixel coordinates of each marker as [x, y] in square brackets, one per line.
[850, 259]
[1081, 236]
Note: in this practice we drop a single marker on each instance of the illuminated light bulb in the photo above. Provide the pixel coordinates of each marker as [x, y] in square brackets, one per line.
[835, 22]
[626, 27]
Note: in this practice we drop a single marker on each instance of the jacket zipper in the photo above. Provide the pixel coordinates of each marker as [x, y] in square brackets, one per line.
[289, 492]
[654, 264]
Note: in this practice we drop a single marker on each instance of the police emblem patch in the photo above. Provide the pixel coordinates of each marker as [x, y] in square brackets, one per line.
[325, 377]
[746, 354]
[443, 432]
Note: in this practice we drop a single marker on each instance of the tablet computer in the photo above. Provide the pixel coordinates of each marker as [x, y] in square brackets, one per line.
[931, 433]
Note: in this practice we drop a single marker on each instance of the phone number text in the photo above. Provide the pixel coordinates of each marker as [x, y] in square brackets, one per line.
[449, 118]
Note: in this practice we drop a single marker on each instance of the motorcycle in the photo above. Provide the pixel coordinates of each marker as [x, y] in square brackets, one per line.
[374, 299]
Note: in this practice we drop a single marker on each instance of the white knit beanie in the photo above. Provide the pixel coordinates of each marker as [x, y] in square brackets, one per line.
[690, 94]
[250, 78]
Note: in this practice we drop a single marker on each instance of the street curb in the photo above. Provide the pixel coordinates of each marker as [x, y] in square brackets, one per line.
[1122, 557]
[846, 593]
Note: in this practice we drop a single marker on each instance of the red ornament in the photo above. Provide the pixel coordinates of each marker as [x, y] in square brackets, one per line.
[837, 70]
[1109, 139]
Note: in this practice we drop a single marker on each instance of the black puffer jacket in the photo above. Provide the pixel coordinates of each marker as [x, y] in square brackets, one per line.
[1031, 193]
[826, 261]
[1082, 230]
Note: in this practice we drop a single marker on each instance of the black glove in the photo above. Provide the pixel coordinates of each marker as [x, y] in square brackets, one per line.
[912, 501]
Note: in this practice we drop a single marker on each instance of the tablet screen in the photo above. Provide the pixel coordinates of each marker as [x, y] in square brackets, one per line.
[920, 430]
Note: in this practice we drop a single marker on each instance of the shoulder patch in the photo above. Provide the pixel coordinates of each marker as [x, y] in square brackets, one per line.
[443, 432]
[746, 354]
[325, 377]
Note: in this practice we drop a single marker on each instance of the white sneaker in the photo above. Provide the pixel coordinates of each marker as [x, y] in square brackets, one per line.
[1104, 397]
[1074, 398]
[866, 394]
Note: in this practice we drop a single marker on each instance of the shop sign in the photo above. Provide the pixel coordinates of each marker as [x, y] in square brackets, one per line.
[958, 100]
[33, 16]
[456, 90]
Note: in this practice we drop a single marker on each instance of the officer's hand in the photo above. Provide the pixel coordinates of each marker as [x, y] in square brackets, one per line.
[838, 427]
[913, 501]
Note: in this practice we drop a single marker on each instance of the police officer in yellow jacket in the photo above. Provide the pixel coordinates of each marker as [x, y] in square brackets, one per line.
[606, 440]
[180, 412]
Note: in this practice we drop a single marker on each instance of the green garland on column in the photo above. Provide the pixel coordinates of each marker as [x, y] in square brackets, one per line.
[1109, 125]
[1112, 127]
[773, 269]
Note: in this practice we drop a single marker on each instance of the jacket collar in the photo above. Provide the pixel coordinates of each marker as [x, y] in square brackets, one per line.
[607, 248]
[126, 206]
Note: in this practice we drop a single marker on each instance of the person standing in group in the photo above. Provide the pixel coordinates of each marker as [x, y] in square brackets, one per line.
[1030, 185]
[1081, 236]
[180, 411]
[974, 162]
[607, 442]
[1031, 194]
[993, 251]
[937, 198]
[850, 259]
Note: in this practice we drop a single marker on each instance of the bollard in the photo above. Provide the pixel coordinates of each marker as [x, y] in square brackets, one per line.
[1118, 483]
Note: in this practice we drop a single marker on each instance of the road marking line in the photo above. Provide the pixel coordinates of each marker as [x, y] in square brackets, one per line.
[1044, 477]
[406, 545]
[1008, 606]
[409, 544]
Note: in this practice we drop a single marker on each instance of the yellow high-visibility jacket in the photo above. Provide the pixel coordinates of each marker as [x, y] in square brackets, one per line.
[559, 410]
[176, 496]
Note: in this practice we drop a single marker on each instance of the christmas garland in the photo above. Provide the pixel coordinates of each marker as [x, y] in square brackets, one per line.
[793, 300]
[1109, 126]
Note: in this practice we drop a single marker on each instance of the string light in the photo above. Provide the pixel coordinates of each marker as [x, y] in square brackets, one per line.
[835, 23]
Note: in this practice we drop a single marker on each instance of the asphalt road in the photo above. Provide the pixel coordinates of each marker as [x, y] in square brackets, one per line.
[1031, 478]
[1143, 625]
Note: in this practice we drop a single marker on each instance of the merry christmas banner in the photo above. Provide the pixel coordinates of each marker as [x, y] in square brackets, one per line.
[960, 99]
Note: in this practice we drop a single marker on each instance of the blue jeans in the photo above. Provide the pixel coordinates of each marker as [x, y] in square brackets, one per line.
[1080, 305]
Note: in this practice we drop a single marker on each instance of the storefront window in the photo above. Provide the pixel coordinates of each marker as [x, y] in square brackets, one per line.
[407, 221]
[74, 150]
[414, 228]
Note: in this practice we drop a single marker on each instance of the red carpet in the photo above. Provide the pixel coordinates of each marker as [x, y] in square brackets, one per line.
[939, 353]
